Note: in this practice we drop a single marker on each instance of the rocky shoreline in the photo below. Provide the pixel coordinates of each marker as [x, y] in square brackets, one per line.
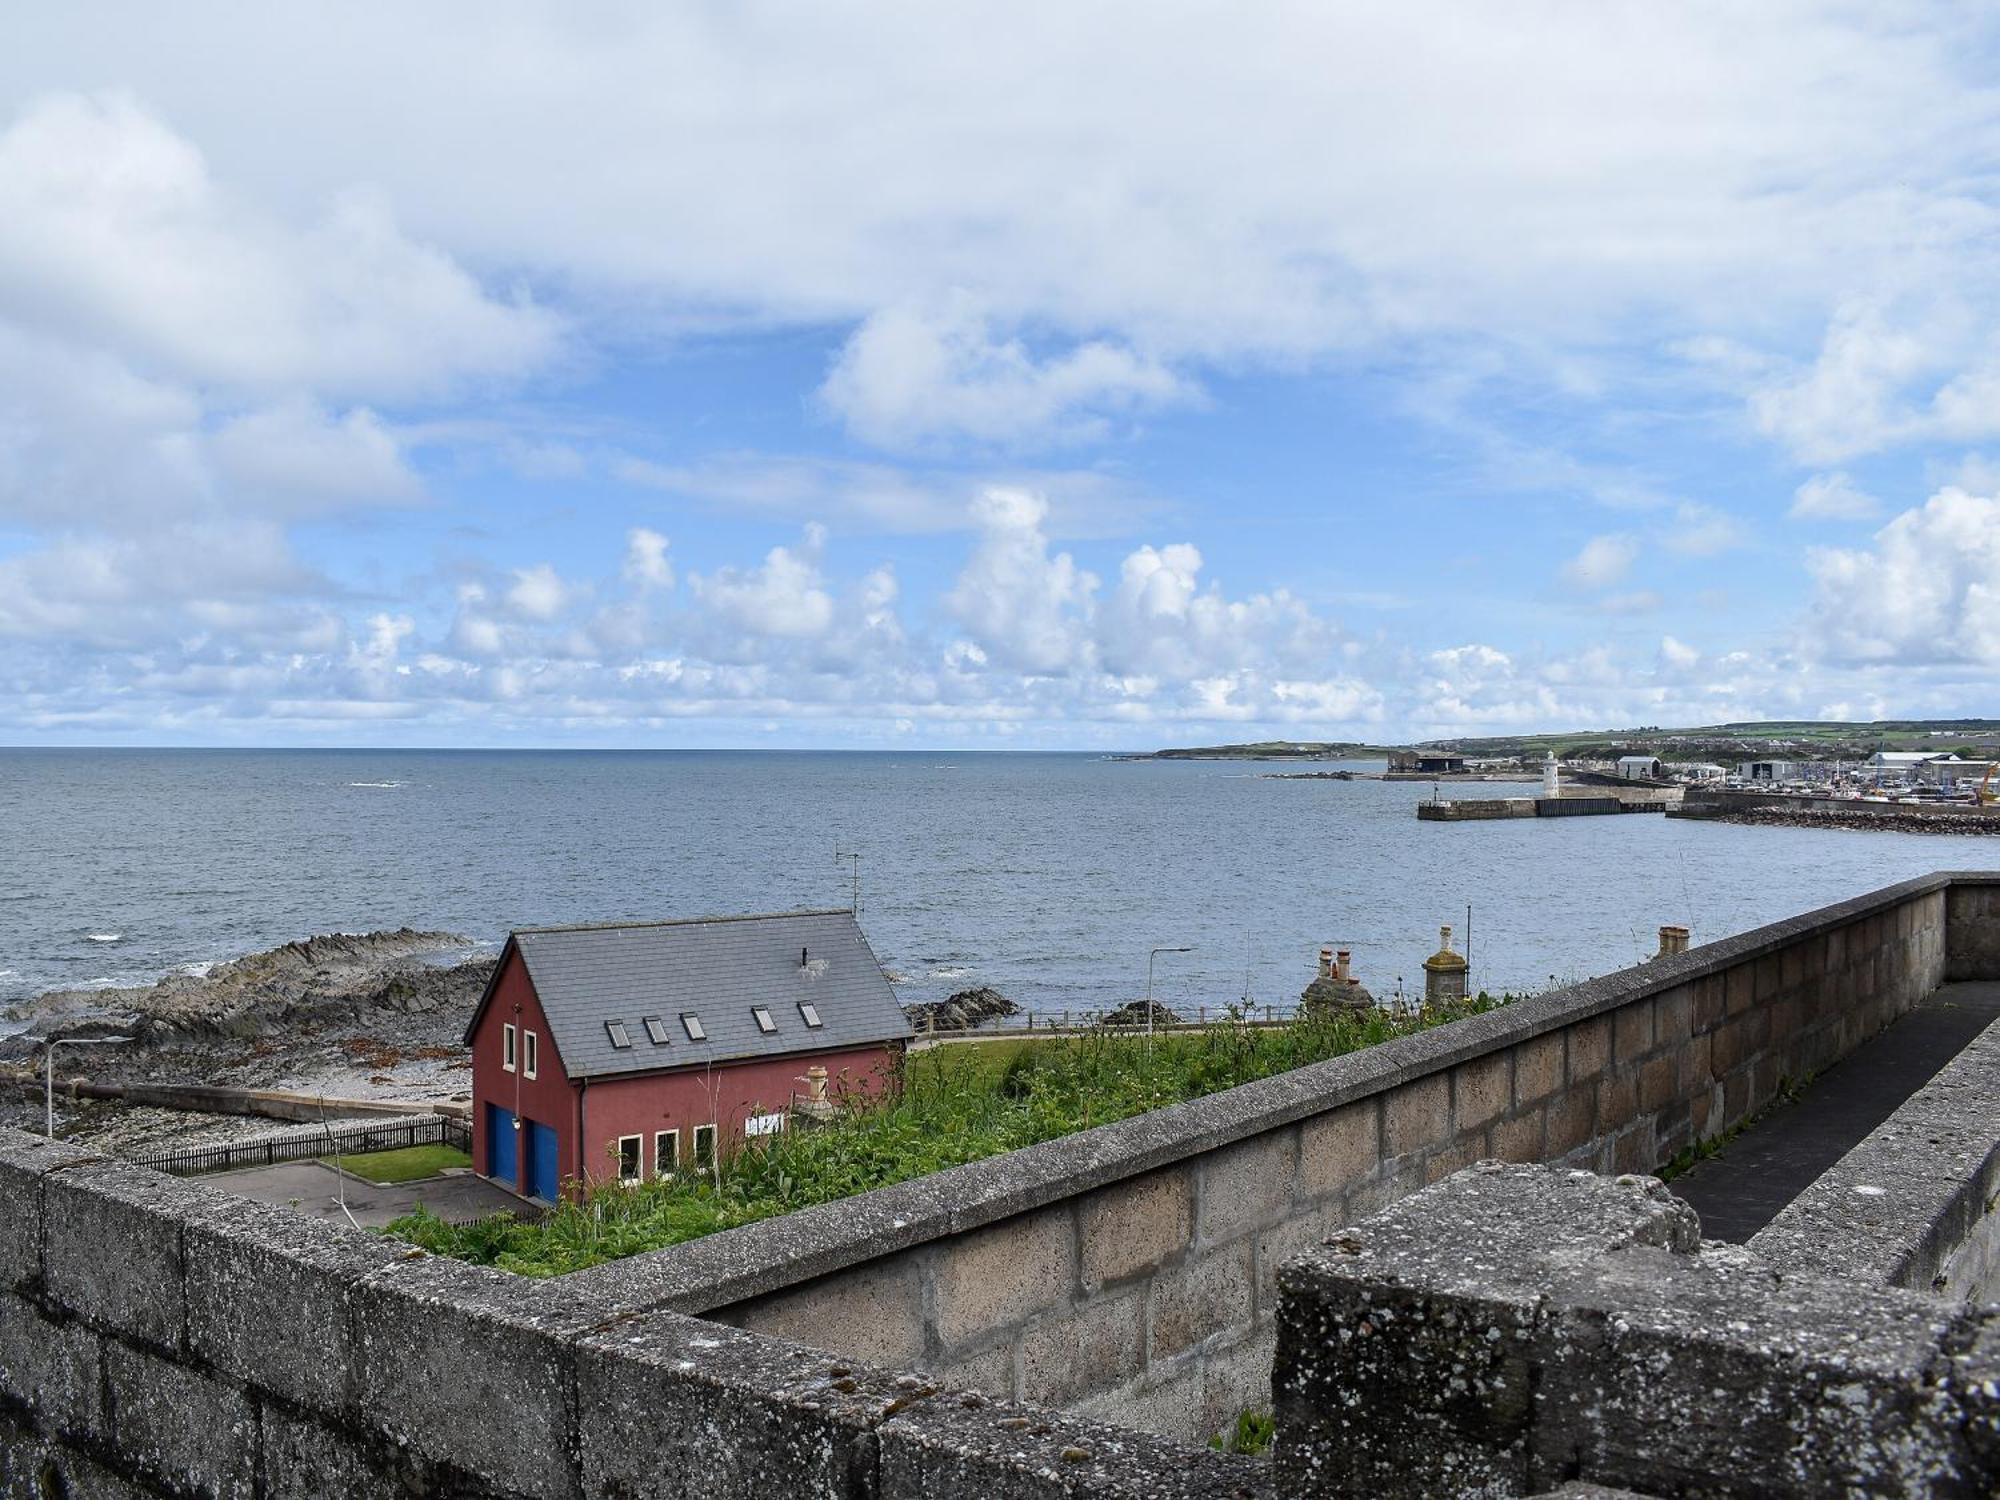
[1870, 817]
[363, 1015]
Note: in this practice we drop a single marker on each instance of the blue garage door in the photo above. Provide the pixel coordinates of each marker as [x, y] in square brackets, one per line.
[541, 1161]
[500, 1144]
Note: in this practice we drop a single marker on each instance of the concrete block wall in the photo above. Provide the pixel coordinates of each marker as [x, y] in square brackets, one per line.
[1972, 930]
[160, 1338]
[1129, 1272]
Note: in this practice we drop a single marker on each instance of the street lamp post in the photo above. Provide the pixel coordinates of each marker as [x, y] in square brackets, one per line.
[1155, 953]
[49, 1068]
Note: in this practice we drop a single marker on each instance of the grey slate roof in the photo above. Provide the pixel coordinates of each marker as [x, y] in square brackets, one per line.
[715, 968]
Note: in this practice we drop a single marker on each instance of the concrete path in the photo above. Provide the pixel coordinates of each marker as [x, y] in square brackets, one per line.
[315, 1189]
[1743, 1188]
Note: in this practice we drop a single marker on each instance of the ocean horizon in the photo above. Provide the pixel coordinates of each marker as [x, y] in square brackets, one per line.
[1047, 875]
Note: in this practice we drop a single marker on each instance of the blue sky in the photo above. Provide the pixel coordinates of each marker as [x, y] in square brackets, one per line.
[1061, 376]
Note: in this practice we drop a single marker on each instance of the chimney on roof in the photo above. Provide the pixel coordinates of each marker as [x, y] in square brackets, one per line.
[1673, 939]
[1326, 963]
[802, 958]
[1340, 962]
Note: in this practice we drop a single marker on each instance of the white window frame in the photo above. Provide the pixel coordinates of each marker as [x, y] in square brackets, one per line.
[638, 1160]
[531, 1053]
[809, 1013]
[699, 1164]
[691, 1023]
[673, 1162]
[765, 1021]
[656, 1031]
[510, 1042]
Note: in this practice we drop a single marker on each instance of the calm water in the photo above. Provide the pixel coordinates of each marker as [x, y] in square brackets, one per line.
[1046, 876]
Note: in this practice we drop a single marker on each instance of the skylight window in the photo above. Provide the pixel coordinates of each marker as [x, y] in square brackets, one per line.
[620, 1037]
[695, 1030]
[657, 1030]
[809, 1013]
[762, 1016]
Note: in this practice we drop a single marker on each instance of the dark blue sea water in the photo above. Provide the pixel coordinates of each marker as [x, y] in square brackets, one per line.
[1046, 876]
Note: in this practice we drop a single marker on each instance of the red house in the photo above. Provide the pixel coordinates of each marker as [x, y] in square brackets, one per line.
[634, 1050]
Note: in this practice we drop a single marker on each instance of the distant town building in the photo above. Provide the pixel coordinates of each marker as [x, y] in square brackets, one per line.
[638, 1050]
[1768, 770]
[1921, 766]
[1702, 771]
[1427, 762]
[1641, 767]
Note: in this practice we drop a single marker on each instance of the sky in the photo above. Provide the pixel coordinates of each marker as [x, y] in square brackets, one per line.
[1049, 375]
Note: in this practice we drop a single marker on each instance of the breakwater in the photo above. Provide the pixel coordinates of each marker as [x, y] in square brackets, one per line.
[1486, 809]
[1772, 811]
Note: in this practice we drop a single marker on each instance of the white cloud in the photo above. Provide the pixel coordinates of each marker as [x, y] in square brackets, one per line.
[1676, 655]
[187, 579]
[1701, 531]
[1926, 591]
[1160, 621]
[783, 597]
[296, 456]
[1022, 607]
[909, 377]
[872, 496]
[538, 592]
[1833, 497]
[1307, 182]
[113, 232]
[646, 562]
[1603, 561]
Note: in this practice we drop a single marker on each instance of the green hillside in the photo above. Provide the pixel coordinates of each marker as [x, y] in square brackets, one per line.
[1800, 739]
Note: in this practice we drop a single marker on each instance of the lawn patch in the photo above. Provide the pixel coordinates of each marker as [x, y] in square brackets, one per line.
[405, 1164]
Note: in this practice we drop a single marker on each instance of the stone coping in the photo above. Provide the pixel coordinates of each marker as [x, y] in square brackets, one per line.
[721, 1269]
[461, 1379]
[1515, 1326]
[1893, 1209]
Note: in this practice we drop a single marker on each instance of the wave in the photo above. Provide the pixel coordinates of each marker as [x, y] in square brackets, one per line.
[948, 972]
[104, 937]
[385, 785]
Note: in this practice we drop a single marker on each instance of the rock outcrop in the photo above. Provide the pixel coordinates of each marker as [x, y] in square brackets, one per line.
[1133, 1013]
[333, 977]
[962, 1011]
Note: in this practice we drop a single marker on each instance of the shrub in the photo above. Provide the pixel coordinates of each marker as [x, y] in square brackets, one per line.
[957, 1104]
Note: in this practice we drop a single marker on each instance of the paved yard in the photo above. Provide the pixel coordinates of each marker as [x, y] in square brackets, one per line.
[316, 1189]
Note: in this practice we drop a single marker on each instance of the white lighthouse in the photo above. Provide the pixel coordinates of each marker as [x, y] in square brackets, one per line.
[1550, 775]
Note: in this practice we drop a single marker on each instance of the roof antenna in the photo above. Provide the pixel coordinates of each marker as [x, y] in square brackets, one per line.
[802, 958]
[854, 900]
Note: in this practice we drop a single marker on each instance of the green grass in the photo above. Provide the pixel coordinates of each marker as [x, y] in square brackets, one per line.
[957, 1104]
[1251, 1436]
[406, 1164]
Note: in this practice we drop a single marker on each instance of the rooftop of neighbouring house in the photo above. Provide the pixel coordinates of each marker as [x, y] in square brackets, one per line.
[641, 997]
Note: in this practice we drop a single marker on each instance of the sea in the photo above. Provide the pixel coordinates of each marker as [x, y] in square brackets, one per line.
[1049, 877]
